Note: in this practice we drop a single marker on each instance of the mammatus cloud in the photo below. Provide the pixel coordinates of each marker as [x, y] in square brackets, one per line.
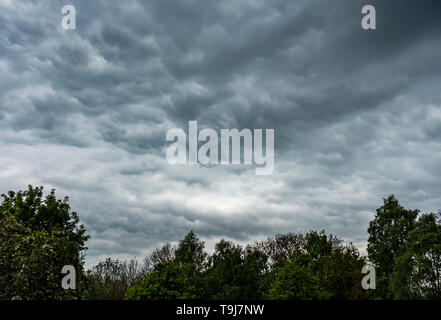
[356, 113]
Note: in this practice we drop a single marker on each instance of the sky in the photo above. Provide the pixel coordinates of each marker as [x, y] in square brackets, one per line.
[356, 114]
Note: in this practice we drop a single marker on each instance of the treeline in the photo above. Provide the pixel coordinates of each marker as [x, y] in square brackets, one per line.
[288, 266]
[39, 235]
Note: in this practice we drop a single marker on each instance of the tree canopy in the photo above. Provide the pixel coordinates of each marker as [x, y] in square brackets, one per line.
[388, 233]
[38, 236]
[41, 234]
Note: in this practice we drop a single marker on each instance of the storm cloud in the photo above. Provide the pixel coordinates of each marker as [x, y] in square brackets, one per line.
[356, 113]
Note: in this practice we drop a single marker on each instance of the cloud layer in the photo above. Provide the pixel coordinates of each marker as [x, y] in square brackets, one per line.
[356, 113]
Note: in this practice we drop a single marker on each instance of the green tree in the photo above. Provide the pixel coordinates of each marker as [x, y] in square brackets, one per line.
[417, 272]
[280, 248]
[173, 273]
[235, 273]
[336, 265]
[190, 251]
[388, 233]
[168, 281]
[341, 274]
[296, 281]
[38, 236]
[327, 268]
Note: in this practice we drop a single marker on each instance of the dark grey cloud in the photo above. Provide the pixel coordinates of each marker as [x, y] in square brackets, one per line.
[356, 113]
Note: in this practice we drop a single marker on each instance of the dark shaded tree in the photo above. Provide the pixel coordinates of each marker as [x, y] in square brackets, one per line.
[321, 268]
[388, 233]
[158, 256]
[110, 279]
[296, 281]
[173, 273]
[168, 281]
[235, 273]
[417, 272]
[280, 248]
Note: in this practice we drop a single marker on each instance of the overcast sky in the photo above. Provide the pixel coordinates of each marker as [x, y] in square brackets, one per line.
[356, 114]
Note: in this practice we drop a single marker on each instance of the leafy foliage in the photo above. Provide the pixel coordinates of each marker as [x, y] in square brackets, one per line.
[168, 281]
[296, 281]
[417, 273]
[38, 236]
[235, 273]
[388, 233]
[320, 268]
[191, 251]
